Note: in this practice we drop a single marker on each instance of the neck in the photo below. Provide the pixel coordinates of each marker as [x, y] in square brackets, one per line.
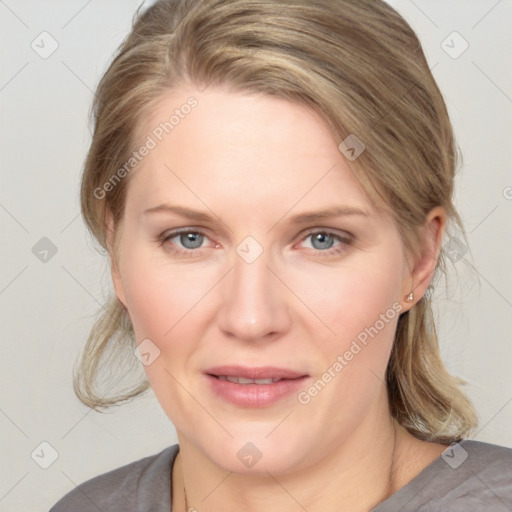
[362, 481]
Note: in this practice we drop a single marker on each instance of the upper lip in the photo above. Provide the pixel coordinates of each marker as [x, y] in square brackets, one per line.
[256, 372]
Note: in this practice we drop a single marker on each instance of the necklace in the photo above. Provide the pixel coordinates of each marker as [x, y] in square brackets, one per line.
[185, 494]
[183, 482]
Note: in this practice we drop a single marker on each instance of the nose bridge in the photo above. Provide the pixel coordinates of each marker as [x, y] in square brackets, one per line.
[254, 304]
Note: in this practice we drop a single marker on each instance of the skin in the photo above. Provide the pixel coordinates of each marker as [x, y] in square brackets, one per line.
[252, 162]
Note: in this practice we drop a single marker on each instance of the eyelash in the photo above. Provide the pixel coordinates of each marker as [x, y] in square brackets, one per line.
[344, 241]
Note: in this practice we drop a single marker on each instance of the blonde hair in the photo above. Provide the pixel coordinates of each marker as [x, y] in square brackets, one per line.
[361, 67]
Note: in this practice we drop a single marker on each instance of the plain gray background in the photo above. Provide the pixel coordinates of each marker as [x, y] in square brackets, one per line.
[47, 307]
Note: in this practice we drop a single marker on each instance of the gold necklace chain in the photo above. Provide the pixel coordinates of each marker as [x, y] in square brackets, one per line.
[183, 481]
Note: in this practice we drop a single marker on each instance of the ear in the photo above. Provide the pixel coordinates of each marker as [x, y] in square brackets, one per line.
[114, 259]
[424, 263]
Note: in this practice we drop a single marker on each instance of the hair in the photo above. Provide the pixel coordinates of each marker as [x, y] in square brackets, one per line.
[362, 68]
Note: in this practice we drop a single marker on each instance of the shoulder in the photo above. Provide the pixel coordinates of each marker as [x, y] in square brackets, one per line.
[476, 475]
[480, 462]
[469, 475]
[486, 455]
[129, 488]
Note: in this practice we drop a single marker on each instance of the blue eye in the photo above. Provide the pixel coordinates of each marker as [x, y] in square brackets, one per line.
[326, 243]
[322, 241]
[186, 241]
[190, 242]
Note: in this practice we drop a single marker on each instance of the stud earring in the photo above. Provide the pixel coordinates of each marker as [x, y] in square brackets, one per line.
[410, 297]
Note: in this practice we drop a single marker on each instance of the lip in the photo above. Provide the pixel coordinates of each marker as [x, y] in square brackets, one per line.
[255, 372]
[255, 395]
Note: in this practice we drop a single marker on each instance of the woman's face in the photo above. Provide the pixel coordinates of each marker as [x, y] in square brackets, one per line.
[249, 250]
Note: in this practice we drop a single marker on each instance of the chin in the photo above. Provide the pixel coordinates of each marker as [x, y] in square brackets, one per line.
[254, 451]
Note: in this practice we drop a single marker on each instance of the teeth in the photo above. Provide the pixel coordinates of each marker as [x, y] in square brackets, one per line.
[244, 380]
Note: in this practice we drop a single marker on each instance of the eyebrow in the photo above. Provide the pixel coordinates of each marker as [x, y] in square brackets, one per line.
[182, 211]
[301, 218]
[337, 211]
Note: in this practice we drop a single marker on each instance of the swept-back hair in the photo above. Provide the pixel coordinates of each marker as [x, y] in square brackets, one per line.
[362, 68]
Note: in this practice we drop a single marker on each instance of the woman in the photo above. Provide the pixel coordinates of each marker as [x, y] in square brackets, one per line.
[273, 180]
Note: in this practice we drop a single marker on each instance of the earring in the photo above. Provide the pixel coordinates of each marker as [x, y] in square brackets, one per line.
[410, 297]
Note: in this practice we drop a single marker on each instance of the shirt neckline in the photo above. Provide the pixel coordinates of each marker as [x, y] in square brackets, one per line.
[417, 483]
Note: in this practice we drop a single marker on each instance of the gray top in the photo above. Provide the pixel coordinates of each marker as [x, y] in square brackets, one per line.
[471, 476]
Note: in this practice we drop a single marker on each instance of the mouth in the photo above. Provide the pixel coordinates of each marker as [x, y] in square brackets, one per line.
[254, 374]
[244, 380]
[254, 386]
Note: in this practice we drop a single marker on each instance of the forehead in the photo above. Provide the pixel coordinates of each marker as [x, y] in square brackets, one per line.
[252, 149]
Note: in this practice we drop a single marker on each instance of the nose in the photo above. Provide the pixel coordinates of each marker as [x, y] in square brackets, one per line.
[254, 302]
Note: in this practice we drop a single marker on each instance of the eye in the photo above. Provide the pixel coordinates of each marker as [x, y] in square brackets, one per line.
[327, 242]
[184, 242]
[188, 242]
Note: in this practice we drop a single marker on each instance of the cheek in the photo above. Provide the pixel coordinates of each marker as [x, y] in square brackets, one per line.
[160, 296]
[350, 298]
[167, 306]
[369, 295]
[359, 305]
[152, 302]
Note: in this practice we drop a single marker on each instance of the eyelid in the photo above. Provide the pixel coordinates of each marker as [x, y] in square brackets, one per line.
[167, 235]
[345, 238]
[345, 241]
[201, 231]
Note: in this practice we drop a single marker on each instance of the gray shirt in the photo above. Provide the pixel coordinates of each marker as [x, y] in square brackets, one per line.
[471, 476]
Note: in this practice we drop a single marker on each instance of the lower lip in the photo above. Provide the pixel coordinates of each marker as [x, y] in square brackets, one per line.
[255, 395]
